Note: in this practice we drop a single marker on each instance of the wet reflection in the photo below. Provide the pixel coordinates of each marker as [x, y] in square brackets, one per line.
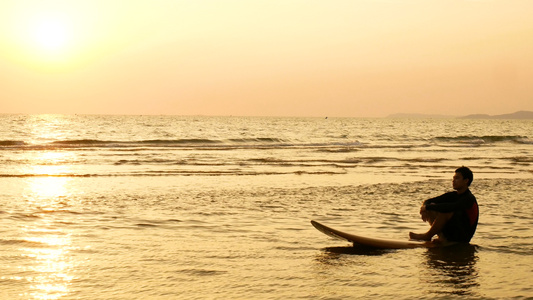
[49, 163]
[48, 188]
[331, 255]
[357, 250]
[50, 270]
[46, 128]
[452, 269]
[46, 242]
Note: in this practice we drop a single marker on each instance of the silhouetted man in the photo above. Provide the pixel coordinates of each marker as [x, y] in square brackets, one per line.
[452, 216]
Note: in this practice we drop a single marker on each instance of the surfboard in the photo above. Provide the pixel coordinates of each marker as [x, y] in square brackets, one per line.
[372, 241]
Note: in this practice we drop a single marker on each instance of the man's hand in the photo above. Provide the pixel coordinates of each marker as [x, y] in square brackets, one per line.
[423, 213]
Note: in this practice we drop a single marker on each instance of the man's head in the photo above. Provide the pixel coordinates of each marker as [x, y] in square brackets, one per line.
[463, 178]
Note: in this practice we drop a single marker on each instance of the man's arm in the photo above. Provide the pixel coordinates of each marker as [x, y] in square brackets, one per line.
[450, 202]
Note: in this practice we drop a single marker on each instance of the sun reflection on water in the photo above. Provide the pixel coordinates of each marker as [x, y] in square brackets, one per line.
[48, 128]
[51, 163]
[49, 188]
[50, 268]
[49, 180]
[47, 240]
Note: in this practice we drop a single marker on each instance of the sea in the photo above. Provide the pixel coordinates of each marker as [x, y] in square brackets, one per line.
[200, 207]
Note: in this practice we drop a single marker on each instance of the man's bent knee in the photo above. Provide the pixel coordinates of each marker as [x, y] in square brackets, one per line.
[429, 216]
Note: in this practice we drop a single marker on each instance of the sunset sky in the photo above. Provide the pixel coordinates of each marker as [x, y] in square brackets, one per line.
[345, 58]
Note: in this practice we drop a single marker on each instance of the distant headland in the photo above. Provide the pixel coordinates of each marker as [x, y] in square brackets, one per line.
[519, 115]
[528, 115]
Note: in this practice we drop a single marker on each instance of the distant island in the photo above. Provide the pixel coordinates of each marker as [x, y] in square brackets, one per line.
[519, 115]
[527, 115]
[419, 116]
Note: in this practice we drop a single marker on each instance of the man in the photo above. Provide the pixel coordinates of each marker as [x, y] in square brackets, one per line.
[453, 216]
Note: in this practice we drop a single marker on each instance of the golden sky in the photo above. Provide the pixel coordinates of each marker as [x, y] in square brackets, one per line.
[351, 58]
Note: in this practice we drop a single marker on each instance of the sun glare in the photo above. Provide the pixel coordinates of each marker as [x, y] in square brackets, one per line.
[50, 34]
[41, 38]
[64, 35]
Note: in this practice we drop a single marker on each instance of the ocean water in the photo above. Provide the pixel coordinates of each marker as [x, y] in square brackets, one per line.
[166, 207]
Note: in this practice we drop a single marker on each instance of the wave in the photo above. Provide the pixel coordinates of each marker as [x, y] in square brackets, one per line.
[258, 140]
[24, 242]
[485, 139]
[179, 173]
[89, 143]
[265, 142]
[332, 146]
[12, 143]
[521, 159]
[48, 175]
[526, 141]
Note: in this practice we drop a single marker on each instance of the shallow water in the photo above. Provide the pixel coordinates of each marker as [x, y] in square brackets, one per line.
[122, 221]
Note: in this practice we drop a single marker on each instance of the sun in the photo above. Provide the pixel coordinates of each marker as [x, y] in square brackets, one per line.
[66, 35]
[40, 37]
[50, 34]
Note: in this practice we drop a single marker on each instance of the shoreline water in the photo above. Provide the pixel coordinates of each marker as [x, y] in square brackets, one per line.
[88, 219]
[244, 242]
